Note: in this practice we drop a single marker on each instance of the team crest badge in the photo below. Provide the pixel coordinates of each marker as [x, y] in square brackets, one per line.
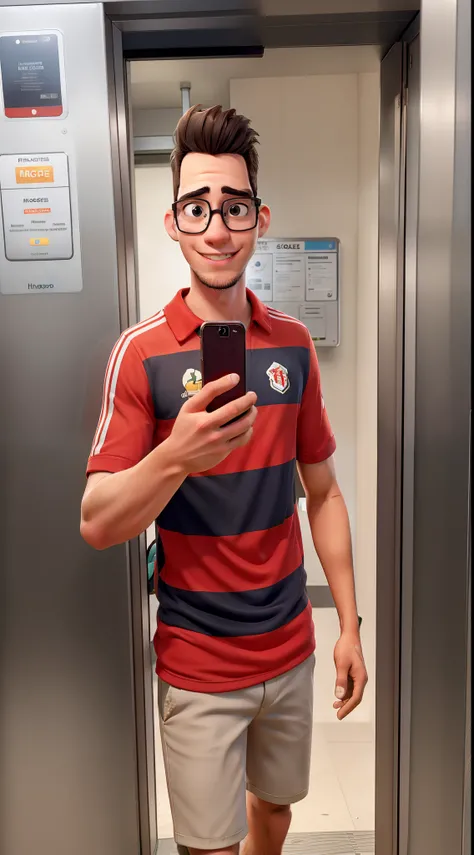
[278, 376]
[192, 382]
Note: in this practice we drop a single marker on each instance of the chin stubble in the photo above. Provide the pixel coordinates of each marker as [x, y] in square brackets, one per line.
[223, 287]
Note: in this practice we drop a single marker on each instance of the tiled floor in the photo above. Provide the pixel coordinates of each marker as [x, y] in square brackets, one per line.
[342, 791]
[332, 843]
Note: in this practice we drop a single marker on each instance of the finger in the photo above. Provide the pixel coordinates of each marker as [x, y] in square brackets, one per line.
[211, 390]
[241, 440]
[349, 706]
[342, 682]
[345, 710]
[349, 692]
[232, 410]
[239, 427]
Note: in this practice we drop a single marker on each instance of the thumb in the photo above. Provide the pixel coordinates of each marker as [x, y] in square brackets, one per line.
[203, 398]
[341, 685]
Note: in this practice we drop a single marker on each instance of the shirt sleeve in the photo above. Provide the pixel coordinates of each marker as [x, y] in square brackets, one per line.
[315, 439]
[126, 425]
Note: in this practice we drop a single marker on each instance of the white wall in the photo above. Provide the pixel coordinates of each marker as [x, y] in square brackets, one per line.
[319, 174]
[150, 123]
[162, 269]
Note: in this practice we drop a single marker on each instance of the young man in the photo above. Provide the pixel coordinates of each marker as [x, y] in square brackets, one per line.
[235, 640]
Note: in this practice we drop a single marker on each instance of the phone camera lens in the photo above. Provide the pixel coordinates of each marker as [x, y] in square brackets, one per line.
[224, 332]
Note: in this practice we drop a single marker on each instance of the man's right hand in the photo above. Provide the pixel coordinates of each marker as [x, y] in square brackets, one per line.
[118, 506]
[201, 440]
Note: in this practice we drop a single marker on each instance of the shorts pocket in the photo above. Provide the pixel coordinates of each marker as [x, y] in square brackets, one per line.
[166, 701]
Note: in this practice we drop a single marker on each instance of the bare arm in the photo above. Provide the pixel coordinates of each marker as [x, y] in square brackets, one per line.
[330, 529]
[329, 523]
[117, 507]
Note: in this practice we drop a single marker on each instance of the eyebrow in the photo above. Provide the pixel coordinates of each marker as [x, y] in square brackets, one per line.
[194, 194]
[231, 191]
[228, 191]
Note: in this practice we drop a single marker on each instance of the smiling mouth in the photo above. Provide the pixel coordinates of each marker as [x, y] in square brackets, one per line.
[218, 258]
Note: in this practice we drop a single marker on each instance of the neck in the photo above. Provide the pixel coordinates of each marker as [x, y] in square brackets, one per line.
[210, 304]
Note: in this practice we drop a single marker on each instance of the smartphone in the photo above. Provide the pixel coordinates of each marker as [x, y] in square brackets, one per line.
[223, 352]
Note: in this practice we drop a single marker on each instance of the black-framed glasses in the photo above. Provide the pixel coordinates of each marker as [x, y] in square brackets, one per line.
[193, 216]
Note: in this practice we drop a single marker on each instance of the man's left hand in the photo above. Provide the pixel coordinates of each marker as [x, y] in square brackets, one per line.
[351, 673]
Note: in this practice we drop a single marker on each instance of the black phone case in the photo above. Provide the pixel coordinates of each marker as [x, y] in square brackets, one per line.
[224, 355]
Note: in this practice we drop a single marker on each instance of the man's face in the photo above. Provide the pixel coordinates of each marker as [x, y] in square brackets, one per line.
[219, 256]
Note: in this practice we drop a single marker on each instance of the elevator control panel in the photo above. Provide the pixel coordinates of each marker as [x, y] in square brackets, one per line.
[40, 240]
[36, 207]
[32, 75]
[300, 277]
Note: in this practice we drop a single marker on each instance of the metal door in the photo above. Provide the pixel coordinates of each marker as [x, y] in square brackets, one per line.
[441, 435]
[67, 713]
[424, 409]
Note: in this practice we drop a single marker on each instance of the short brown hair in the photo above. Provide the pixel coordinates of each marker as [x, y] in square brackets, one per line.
[214, 131]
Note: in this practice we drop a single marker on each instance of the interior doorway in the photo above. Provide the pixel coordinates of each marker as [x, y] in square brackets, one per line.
[77, 713]
[317, 112]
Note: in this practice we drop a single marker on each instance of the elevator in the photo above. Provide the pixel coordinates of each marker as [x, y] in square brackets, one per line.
[76, 713]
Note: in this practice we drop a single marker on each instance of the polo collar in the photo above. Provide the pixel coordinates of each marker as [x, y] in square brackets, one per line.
[183, 322]
[260, 314]
[181, 319]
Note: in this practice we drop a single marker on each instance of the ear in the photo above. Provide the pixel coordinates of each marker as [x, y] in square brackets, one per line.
[170, 225]
[264, 219]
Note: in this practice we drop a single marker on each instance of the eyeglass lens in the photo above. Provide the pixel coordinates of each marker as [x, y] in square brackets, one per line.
[194, 216]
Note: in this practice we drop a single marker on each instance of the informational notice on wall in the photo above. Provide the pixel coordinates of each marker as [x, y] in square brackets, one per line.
[300, 276]
[40, 240]
[32, 75]
[36, 207]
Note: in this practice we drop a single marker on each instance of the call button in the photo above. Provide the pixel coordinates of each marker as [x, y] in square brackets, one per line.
[39, 242]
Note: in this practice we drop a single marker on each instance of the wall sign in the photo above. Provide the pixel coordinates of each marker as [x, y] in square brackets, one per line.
[300, 276]
[39, 228]
[36, 207]
[32, 75]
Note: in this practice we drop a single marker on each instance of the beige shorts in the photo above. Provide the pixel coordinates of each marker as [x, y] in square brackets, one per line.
[217, 746]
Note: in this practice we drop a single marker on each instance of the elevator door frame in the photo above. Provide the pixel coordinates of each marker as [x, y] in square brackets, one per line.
[398, 213]
[424, 439]
[123, 175]
[388, 500]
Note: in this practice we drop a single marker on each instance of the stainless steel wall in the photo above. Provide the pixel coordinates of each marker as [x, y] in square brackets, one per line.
[423, 773]
[389, 450]
[441, 435]
[67, 722]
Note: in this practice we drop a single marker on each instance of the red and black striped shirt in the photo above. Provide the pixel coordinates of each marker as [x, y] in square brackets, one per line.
[233, 608]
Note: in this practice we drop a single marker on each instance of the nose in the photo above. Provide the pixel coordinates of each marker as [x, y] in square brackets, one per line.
[217, 232]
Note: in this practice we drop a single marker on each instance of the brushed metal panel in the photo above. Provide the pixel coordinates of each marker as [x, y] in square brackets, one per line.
[412, 97]
[467, 807]
[121, 134]
[389, 451]
[353, 28]
[67, 718]
[441, 434]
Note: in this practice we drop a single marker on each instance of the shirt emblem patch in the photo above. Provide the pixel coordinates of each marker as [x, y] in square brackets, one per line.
[192, 382]
[278, 376]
